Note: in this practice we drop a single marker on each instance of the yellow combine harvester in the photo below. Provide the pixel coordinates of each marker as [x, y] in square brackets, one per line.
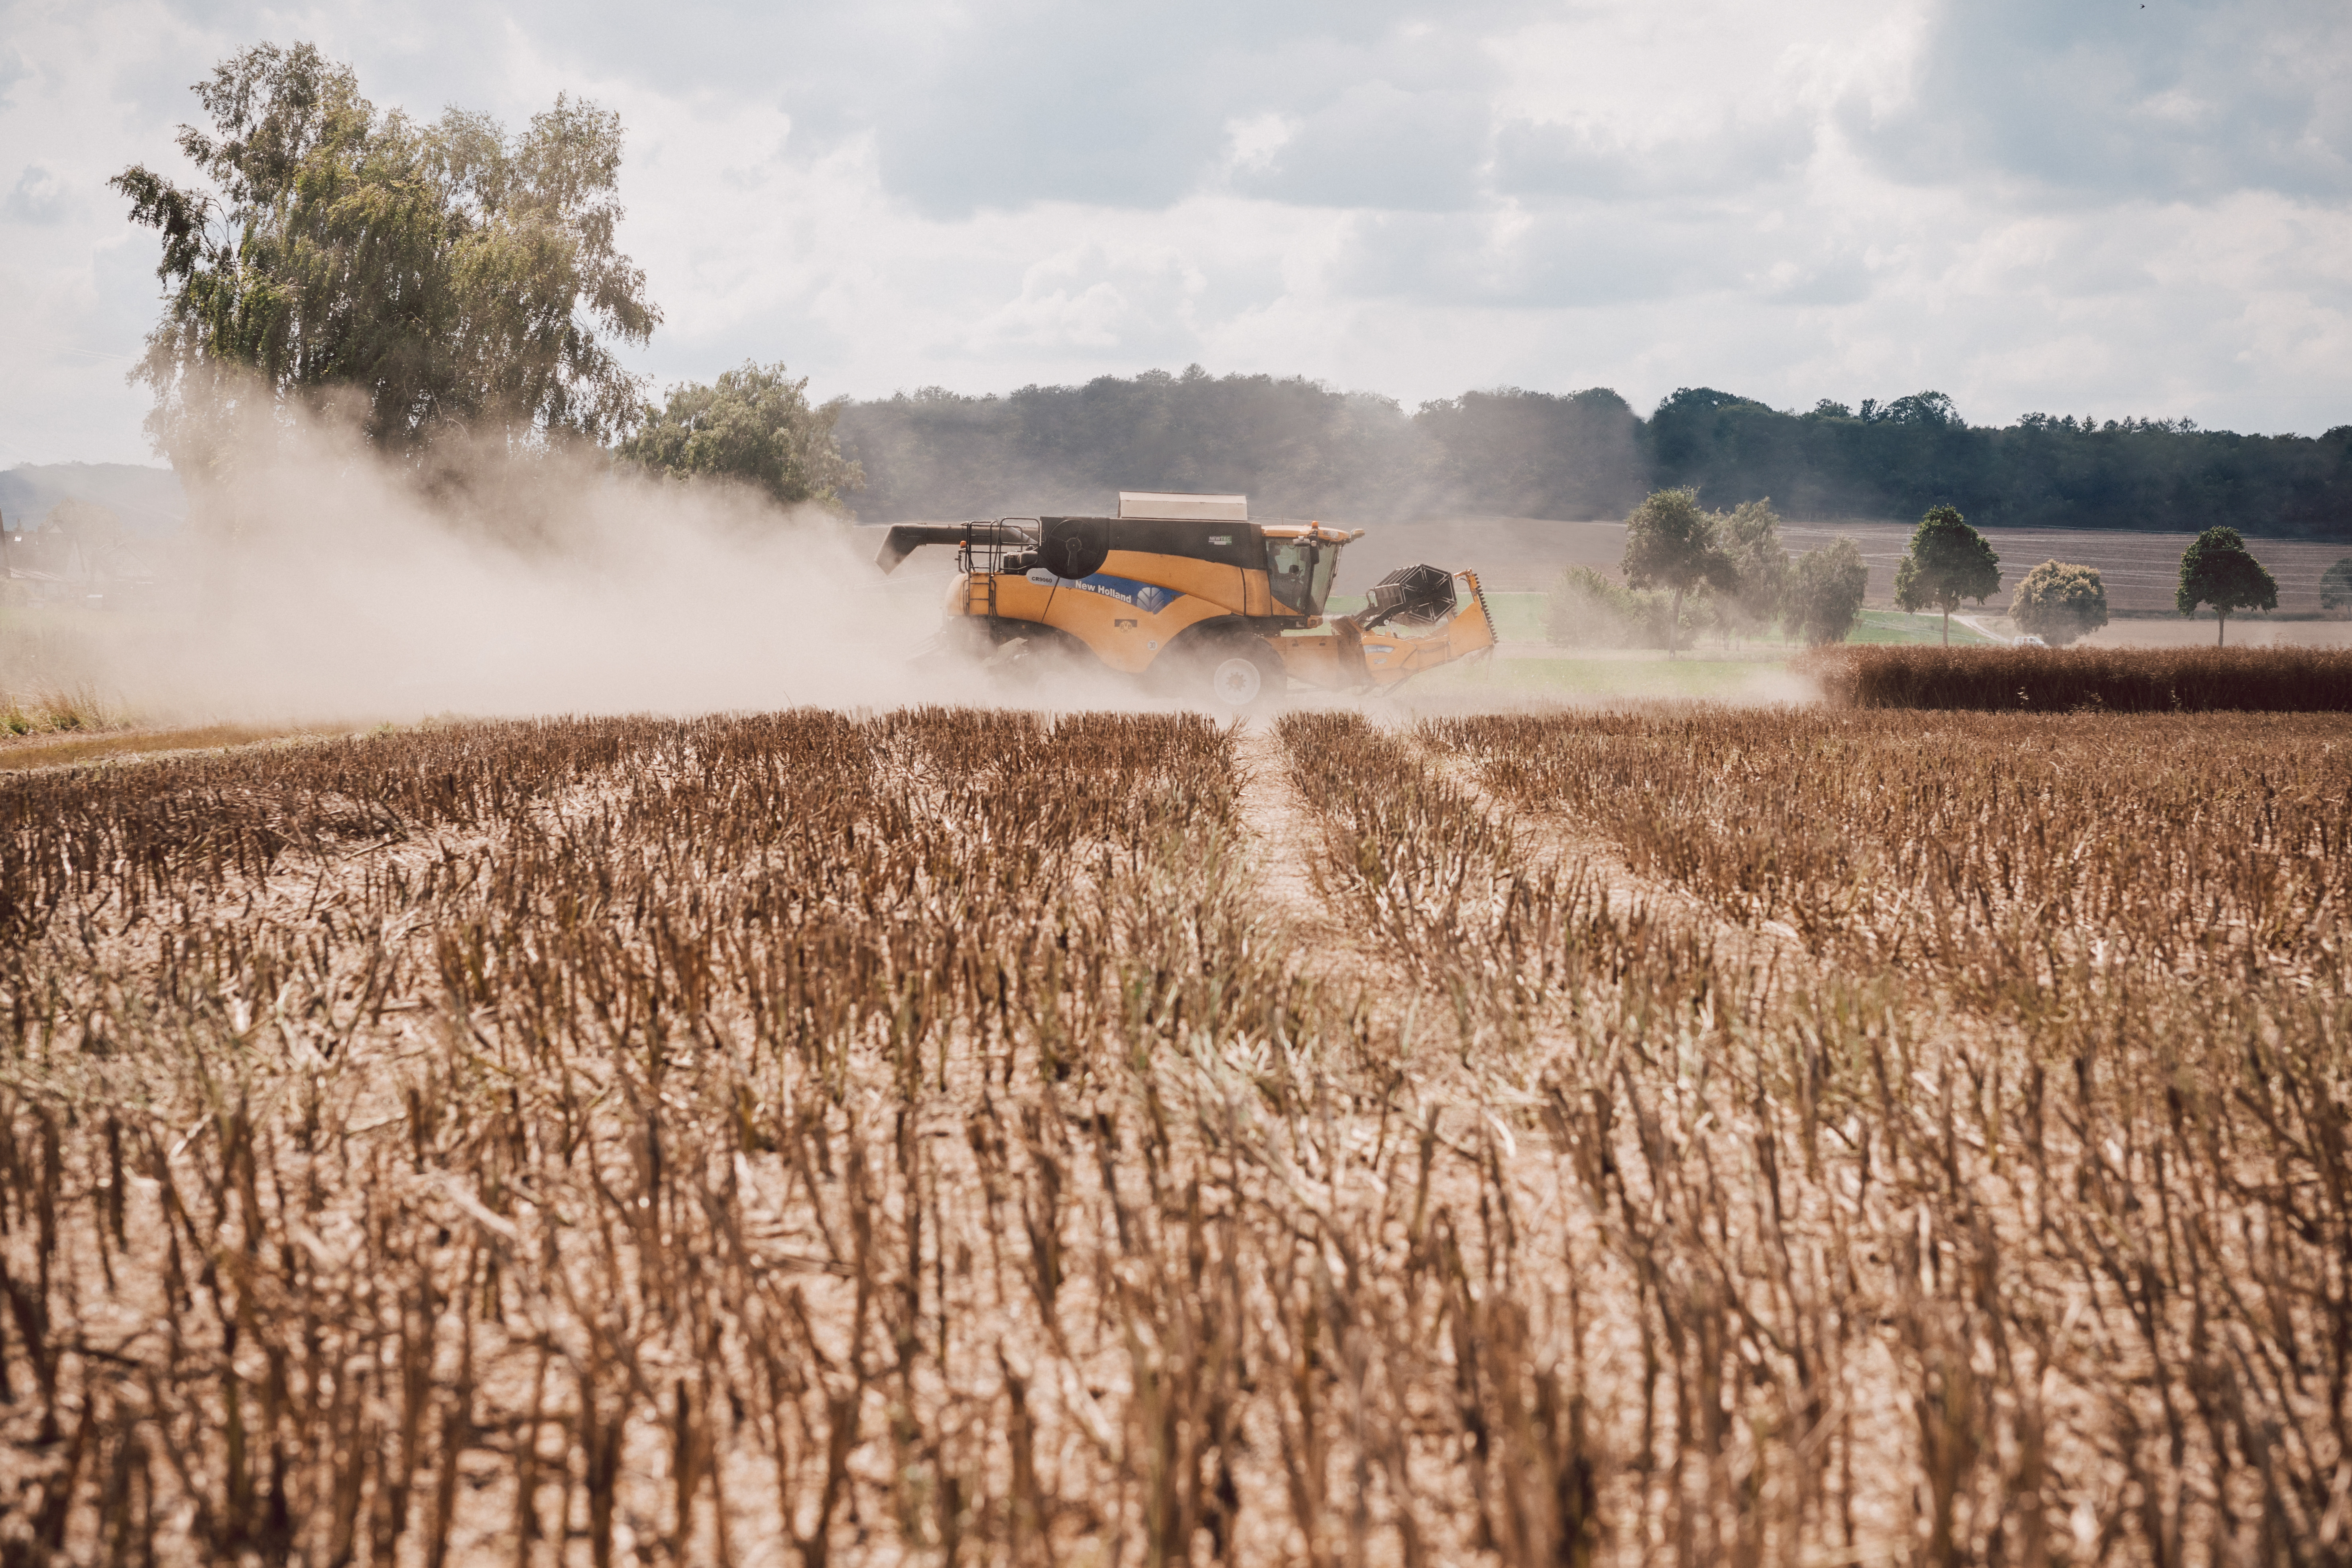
[1187, 594]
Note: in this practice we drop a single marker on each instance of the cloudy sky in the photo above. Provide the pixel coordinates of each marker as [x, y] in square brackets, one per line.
[2098, 206]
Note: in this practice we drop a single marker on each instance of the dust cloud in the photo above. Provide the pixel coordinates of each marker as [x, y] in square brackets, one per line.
[327, 584]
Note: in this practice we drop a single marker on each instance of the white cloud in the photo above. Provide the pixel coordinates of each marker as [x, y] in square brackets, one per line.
[2090, 103]
[1094, 297]
[2024, 208]
[1257, 140]
[40, 197]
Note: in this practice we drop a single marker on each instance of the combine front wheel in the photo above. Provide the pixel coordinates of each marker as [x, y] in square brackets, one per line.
[1245, 674]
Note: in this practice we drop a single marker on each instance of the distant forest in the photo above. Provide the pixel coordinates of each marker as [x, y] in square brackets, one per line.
[1299, 448]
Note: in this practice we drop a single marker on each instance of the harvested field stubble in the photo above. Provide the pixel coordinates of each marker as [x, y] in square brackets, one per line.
[2063, 680]
[813, 1138]
[2121, 1317]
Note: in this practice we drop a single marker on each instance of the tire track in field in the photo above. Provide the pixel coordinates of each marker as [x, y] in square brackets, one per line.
[1772, 946]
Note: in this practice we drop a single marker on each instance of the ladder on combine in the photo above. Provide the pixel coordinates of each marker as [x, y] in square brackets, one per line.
[979, 588]
[985, 545]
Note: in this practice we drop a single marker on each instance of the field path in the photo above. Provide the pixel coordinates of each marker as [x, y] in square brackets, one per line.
[1285, 834]
[1286, 841]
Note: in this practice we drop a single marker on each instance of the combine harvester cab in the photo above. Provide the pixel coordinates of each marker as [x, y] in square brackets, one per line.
[1184, 593]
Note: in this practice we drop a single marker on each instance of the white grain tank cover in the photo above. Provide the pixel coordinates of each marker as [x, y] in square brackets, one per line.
[1202, 508]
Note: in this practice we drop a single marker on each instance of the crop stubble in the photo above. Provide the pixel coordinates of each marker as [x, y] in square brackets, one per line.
[828, 1138]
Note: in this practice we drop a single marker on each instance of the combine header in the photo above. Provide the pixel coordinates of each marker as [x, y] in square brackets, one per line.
[1186, 593]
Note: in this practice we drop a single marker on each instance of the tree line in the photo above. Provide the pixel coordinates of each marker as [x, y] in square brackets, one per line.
[1296, 446]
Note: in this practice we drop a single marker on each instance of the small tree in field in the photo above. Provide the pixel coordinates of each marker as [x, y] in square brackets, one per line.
[1949, 562]
[1671, 544]
[1825, 590]
[1587, 610]
[2059, 603]
[1751, 535]
[2335, 587]
[2216, 570]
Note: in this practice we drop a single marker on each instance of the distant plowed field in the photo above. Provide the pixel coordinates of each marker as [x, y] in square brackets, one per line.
[1709, 1136]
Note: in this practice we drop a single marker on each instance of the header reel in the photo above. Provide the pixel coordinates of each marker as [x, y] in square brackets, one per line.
[1410, 596]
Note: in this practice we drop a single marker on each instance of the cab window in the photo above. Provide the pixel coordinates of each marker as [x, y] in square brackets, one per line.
[1300, 575]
